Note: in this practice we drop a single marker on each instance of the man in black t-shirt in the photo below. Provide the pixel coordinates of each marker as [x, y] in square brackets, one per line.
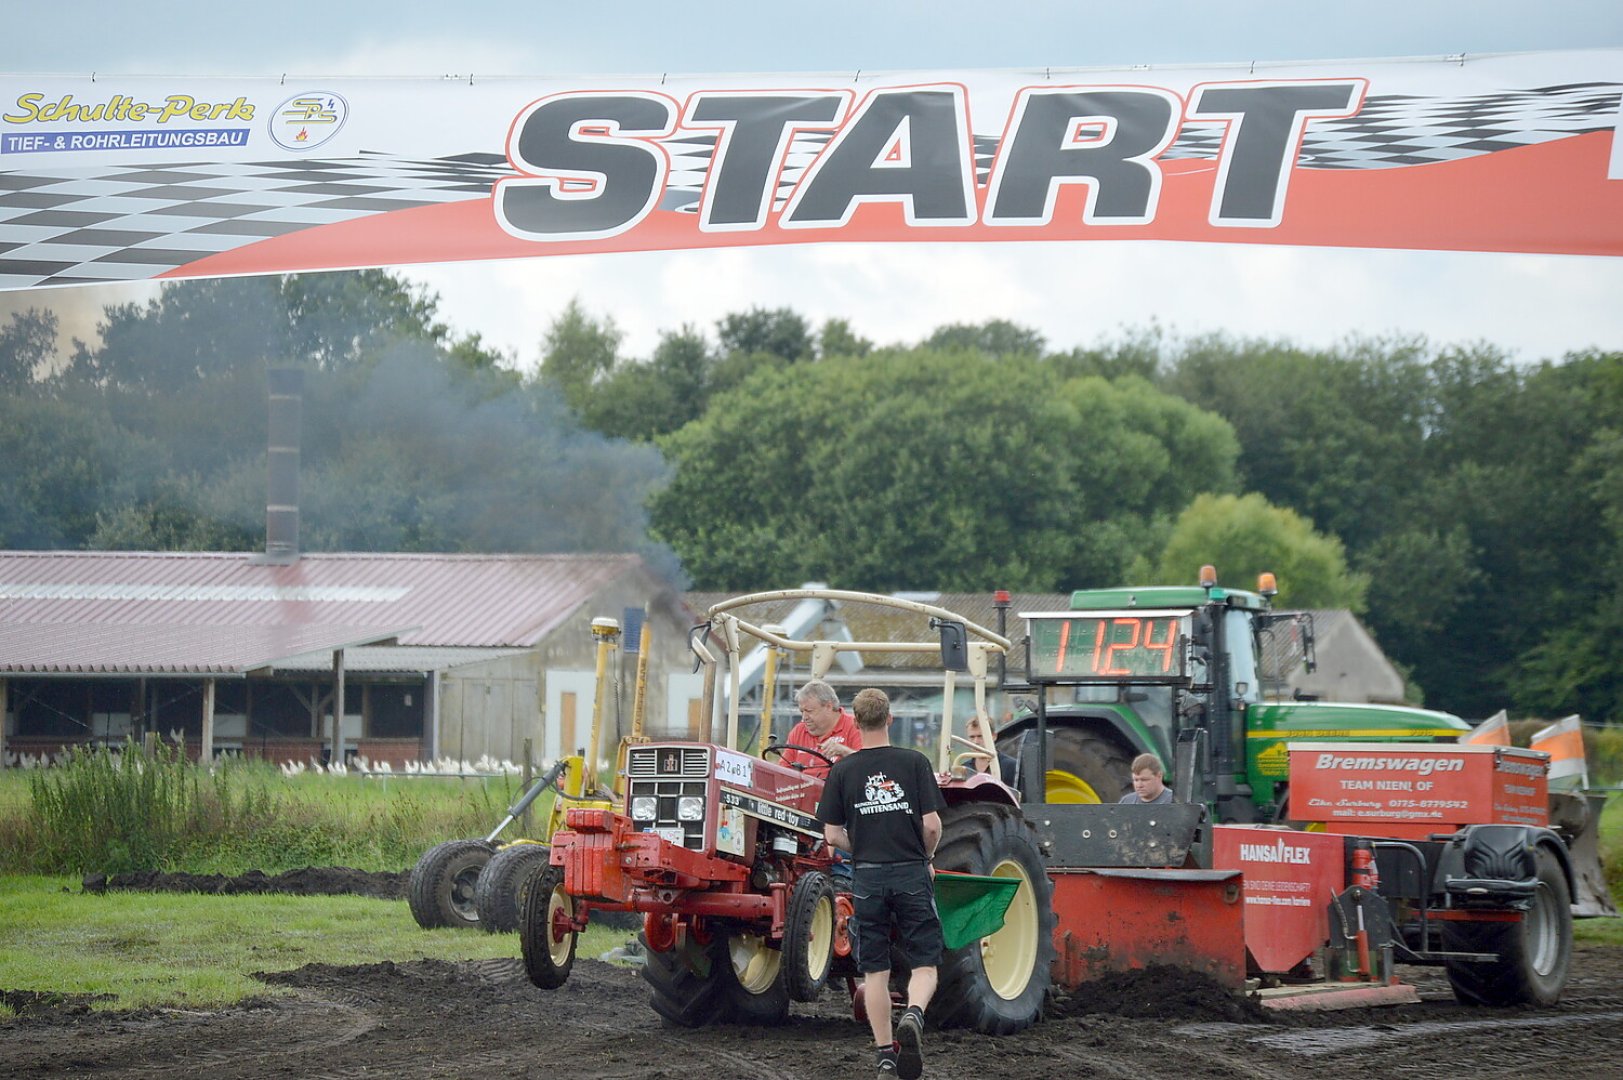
[883, 805]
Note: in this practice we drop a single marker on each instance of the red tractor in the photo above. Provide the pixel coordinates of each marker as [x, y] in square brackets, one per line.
[720, 852]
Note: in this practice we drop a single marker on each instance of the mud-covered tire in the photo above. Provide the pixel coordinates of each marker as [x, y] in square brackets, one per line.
[686, 981]
[1534, 953]
[997, 985]
[753, 980]
[498, 897]
[548, 956]
[1100, 769]
[443, 883]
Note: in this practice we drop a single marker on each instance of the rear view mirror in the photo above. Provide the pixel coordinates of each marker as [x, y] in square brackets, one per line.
[954, 644]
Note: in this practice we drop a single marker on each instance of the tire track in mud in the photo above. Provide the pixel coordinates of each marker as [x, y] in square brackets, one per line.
[1583, 1038]
[696, 1057]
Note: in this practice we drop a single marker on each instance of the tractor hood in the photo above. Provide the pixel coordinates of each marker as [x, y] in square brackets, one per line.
[1271, 724]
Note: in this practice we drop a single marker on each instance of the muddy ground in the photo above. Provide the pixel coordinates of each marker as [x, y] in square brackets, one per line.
[484, 1019]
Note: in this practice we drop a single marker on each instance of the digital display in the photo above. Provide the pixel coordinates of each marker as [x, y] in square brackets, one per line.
[1108, 645]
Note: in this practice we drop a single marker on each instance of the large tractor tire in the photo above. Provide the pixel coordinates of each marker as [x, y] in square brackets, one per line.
[1084, 767]
[443, 882]
[1534, 954]
[997, 985]
[498, 896]
[687, 981]
[549, 952]
[733, 977]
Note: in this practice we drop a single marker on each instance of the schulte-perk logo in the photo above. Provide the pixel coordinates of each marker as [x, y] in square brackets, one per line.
[307, 120]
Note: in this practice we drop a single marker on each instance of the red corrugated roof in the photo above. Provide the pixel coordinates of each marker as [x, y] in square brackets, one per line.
[104, 649]
[486, 601]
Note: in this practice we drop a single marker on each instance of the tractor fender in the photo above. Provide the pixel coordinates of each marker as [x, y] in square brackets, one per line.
[978, 787]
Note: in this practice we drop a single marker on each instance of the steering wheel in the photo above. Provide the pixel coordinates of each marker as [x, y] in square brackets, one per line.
[779, 748]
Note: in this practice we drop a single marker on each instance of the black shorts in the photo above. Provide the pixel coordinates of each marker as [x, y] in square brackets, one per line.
[900, 895]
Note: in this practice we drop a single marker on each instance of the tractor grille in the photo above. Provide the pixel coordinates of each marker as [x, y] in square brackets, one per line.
[667, 774]
[666, 795]
[668, 761]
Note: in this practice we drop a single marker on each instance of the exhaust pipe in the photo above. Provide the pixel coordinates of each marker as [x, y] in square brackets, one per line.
[286, 387]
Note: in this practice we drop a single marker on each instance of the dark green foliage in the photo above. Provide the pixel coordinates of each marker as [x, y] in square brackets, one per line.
[995, 337]
[778, 332]
[923, 469]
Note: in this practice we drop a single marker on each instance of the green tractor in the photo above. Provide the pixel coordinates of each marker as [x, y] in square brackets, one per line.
[1195, 676]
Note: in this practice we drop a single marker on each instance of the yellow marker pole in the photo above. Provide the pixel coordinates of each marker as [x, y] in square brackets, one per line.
[639, 703]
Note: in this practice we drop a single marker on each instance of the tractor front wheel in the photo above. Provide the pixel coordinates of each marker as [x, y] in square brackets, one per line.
[1533, 953]
[997, 985]
[443, 883]
[549, 948]
[808, 936]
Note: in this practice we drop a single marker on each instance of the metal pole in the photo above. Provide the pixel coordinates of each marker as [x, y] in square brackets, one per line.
[769, 691]
[205, 753]
[338, 707]
[529, 773]
[605, 631]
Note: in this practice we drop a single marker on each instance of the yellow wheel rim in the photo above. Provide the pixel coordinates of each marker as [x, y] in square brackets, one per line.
[1008, 955]
[755, 963]
[820, 949]
[1065, 787]
[559, 946]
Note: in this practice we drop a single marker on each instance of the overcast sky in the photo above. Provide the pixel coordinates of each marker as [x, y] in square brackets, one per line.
[1536, 306]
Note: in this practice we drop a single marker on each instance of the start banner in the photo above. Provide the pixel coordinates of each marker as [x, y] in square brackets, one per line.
[116, 179]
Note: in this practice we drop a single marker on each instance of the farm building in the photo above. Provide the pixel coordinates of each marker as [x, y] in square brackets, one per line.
[460, 656]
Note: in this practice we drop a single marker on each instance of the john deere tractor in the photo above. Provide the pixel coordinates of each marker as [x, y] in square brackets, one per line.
[1195, 675]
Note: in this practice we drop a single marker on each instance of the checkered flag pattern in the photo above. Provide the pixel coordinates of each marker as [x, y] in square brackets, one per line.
[77, 227]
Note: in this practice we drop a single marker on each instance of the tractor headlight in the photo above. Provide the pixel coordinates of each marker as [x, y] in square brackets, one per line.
[690, 808]
[644, 808]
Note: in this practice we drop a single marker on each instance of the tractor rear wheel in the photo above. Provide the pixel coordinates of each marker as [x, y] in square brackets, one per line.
[549, 950]
[1086, 768]
[498, 897]
[443, 883]
[687, 980]
[1534, 953]
[997, 985]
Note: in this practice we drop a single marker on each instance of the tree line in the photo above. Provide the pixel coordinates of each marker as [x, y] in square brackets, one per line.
[1467, 506]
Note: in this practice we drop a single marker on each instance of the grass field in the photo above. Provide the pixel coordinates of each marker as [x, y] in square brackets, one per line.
[107, 815]
[192, 951]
